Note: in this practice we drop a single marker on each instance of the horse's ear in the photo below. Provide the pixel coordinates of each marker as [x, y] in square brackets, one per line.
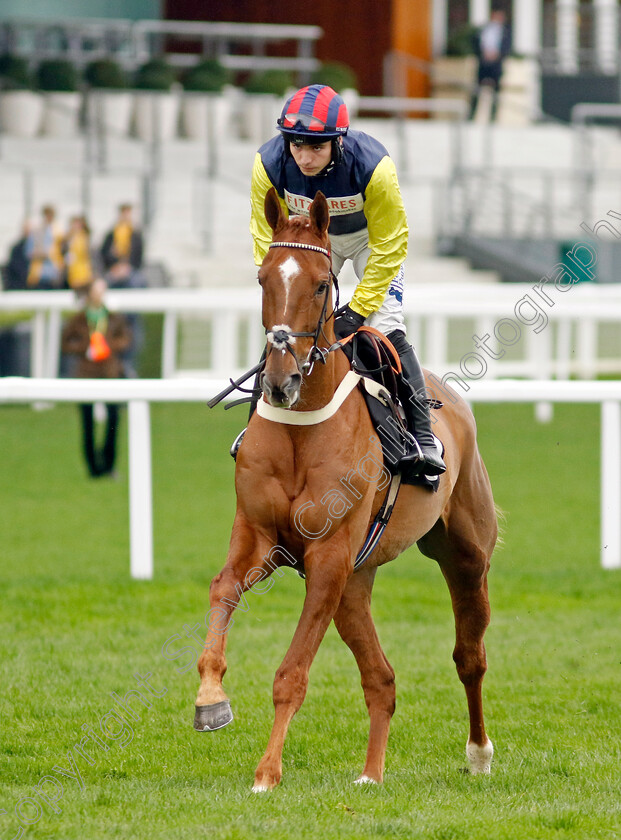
[273, 210]
[319, 214]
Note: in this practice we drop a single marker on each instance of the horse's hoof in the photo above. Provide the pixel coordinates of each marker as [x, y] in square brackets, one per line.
[215, 716]
[480, 757]
[260, 789]
[365, 780]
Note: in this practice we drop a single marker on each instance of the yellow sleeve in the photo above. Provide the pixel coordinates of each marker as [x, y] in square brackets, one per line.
[259, 228]
[388, 238]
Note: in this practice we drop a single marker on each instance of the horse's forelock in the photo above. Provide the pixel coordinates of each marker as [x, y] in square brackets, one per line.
[299, 222]
[295, 227]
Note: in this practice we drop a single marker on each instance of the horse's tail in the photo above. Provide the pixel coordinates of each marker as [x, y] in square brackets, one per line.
[501, 518]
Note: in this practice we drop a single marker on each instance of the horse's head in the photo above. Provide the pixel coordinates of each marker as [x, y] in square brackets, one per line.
[296, 279]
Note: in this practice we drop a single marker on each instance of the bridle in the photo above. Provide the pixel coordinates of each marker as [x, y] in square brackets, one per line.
[280, 337]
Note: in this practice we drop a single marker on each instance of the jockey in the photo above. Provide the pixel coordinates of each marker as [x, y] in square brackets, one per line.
[316, 150]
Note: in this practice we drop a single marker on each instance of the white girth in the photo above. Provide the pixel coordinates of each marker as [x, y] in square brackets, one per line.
[311, 418]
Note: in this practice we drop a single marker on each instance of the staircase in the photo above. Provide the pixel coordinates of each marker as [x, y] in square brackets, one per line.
[199, 228]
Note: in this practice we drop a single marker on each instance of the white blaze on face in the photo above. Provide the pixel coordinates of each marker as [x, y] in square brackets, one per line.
[288, 271]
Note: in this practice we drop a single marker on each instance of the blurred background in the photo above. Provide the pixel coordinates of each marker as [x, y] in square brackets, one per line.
[148, 114]
[162, 105]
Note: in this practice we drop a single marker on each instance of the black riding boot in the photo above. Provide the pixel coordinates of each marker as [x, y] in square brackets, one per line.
[416, 409]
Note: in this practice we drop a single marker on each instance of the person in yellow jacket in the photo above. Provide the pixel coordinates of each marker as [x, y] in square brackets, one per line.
[78, 256]
[316, 150]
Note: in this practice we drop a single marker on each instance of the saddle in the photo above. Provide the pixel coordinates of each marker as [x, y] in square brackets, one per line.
[373, 356]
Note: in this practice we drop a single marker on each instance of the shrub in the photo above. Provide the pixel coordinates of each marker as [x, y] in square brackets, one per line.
[106, 73]
[156, 74]
[461, 41]
[208, 76]
[15, 72]
[270, 81]
[337, 75]
[57, 74]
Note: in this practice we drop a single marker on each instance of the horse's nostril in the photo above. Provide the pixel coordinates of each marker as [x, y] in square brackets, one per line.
[283, 392]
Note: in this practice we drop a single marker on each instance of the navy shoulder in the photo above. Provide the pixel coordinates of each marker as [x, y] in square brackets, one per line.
[273, 157]
[364, 146]
[364, 153]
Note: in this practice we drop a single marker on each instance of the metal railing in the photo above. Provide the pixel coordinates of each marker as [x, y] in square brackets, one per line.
[399, 107]
[581, 37]
[522, 202]
[134, 42]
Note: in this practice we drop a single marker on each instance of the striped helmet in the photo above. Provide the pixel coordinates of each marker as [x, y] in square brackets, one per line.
[315, 112]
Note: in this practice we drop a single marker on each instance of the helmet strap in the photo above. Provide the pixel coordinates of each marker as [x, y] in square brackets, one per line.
[337, 151]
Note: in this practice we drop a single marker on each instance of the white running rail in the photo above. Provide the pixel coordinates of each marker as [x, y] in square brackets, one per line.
[140, 393]
[559, 331]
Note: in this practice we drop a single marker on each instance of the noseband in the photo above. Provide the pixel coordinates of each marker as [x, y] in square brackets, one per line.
[282, 338]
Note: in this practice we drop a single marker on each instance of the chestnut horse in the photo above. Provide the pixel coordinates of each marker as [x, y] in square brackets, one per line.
[287, 473]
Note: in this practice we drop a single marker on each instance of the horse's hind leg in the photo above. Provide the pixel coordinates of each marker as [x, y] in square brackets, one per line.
[464, 562]
[355, 625]
[471, 609]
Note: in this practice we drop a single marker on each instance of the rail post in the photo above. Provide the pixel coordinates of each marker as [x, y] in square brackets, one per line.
[140, 493]
[610, 504]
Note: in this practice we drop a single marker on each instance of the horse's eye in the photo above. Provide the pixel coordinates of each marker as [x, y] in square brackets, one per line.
[321, 290]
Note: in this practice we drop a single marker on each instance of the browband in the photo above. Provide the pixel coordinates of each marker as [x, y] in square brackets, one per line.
[302, 245]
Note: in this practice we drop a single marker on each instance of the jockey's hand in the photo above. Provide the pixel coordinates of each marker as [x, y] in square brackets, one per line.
[346, 321]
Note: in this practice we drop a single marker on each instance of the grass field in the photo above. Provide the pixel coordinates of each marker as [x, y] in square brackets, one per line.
[75, 628]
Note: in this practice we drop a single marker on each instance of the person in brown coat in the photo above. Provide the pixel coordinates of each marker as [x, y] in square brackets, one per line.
[97, 338]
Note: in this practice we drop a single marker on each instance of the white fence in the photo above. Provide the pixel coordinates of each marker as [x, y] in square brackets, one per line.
[140, 393]
[538, 332]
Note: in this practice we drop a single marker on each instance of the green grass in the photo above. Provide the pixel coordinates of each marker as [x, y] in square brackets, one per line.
[75, 628]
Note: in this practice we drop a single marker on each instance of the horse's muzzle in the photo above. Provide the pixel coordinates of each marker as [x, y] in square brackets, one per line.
[281, 391]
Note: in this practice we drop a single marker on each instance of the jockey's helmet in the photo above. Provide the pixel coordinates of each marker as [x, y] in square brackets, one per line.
[315, 113]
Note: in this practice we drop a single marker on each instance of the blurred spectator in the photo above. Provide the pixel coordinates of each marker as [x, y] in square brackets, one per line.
[97, 338]
[44, 252]
[79, 268]
[122, 254]
[492, 44]
[18, 264]
[122, 250]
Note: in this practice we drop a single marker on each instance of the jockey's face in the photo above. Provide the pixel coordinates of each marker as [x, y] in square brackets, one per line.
[311, 159]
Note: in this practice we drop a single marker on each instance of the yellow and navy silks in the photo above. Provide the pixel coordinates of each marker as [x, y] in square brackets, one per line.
[362, 192]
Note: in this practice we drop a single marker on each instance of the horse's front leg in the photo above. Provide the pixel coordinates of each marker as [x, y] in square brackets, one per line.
[246, 559]
[327, 567]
